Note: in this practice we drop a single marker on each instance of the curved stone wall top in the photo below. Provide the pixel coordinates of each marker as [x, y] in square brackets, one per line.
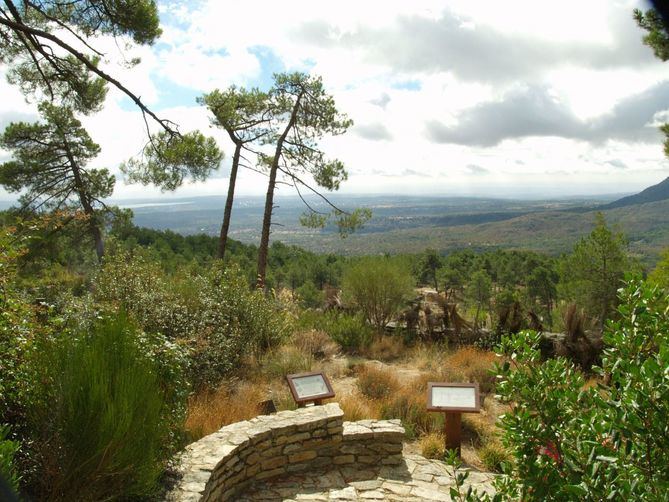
[220, 465]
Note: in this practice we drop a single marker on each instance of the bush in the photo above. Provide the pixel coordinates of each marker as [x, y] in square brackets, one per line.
[286, 360]
[433, 445]
[570, 441]
[309, 295]
[494, 456]
[8, 449]
[377, 383]
[214, 312]
[352, 333]
[378, 287]
[107, 418]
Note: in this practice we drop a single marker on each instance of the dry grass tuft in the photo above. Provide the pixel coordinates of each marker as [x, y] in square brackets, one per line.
[377, 382]
[286, 360]
[480, 426]
[315, 342]
[493, 454]
[358, 407]
[429, 357]
[432, 445]
[209, 411]
[470, 364]
[386, 348]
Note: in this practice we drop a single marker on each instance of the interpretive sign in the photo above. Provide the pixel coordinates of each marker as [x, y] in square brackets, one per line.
[307, 387]
[462, 397]
[453, 399]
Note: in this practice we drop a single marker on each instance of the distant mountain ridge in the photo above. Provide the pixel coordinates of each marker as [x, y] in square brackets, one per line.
[653, 193]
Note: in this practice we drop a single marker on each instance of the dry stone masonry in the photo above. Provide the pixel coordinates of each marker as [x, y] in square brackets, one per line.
[224, 464]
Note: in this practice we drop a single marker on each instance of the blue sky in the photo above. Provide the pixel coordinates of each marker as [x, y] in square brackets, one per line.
[460, 97]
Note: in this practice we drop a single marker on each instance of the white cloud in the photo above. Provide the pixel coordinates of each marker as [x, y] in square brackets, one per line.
[592, 62]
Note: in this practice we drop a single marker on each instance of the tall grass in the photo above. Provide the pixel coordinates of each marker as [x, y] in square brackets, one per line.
[105, 416]
[209, 411]
[377, 383]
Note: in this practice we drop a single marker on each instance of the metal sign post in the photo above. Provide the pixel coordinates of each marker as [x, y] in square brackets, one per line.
[453, 399]
[309, 388]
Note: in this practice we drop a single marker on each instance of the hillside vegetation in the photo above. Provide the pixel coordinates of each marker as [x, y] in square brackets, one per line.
[161, 316]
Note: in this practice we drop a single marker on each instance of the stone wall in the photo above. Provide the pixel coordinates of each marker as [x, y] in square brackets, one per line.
[222, 464]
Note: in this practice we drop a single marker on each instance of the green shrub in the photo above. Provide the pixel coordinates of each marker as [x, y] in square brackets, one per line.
[309, 295]
[108, 416]
[352, 333]
[571, 441]
[213, 312]
[377, 287]
[8, 449]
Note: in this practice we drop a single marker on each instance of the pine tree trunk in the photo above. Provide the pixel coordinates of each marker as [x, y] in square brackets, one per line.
[263, 250]
[223, 240]
[266, 223]
[93, 227]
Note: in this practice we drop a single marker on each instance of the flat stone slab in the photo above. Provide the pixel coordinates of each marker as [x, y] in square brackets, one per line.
[414, 479]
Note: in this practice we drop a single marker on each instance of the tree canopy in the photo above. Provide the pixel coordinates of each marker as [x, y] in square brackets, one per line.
[49, 164]
[48, 47]
[245, 116]
[302, 113]
[593, 272]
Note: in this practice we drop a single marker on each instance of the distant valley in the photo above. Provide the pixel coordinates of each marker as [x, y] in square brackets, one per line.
[411, 224]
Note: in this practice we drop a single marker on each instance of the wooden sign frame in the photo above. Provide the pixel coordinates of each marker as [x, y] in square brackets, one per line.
[317, 398]
[477, 397]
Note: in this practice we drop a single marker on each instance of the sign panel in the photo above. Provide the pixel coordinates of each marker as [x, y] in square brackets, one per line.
[309, 387]
[463, 397]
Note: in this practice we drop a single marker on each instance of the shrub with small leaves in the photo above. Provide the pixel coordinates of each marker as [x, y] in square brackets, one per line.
[606, 442]
[214, 313]
[352, 333]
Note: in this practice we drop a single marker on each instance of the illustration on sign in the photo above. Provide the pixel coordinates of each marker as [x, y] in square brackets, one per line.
[309, 386]
[454, 397]
[447, 396]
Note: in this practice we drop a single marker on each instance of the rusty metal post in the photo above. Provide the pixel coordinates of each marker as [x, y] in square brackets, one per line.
[452, 427]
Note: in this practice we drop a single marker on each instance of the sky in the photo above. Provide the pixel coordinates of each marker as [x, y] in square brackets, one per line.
[520, 98]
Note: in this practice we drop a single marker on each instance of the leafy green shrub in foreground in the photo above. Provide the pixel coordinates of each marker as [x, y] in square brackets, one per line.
[8, 449]
[609, 442]
[106, 424]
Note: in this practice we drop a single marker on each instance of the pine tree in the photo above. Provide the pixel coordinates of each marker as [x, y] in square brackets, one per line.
[50, 165]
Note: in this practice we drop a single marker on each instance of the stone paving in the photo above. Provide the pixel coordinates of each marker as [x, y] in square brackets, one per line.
[415, 479]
